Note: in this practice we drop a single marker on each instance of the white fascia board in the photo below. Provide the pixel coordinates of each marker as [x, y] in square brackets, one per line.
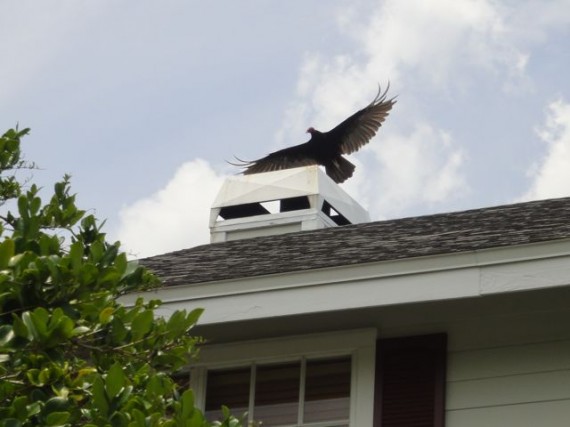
[462, 275]
[329, 297]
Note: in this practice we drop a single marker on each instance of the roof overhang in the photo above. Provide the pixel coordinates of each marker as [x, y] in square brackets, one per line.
[414, 280]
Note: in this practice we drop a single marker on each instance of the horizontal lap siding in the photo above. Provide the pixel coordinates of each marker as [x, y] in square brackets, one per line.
[510, 390]
[509, 360]
[540, 414]
[517, 385]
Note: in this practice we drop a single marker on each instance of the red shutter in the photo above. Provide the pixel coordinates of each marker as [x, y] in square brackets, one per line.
[410, 382]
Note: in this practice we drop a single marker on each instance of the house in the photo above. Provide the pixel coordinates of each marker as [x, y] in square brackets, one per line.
[317, 317]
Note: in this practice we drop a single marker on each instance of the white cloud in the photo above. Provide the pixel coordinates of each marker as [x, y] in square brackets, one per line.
[551, 175]
[175, 217]
[435, 47]
[419, 168]
[438, 43]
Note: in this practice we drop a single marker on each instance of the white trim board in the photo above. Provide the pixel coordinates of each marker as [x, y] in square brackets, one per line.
[360, 344]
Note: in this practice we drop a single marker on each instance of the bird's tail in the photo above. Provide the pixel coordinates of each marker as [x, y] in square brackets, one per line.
[340, 169]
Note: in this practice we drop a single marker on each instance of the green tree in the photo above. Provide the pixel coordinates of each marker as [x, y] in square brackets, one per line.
[70, 353]
[10, 162]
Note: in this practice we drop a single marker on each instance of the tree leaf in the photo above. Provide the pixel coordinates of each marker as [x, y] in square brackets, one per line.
[187, 401]
[6, 334]
[115, 380]
[39, 319]
[138, 417]
[110, 255]
[100, 396]
[141, 324]
[121, 263]
[30, 327]
[193, 317]
[118, 419]
[96, 251]
[20, 328]
[76, 256]
[35, 205]
[33, 377]
[23, 207]
[106, 315]
[118, 331]
[80, 330]
[225, 411]
[57, 418]
[20, 407]
[56, 404]
[6, 252]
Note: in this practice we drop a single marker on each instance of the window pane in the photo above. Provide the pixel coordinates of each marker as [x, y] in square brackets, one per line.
[277, 394]
[327, 390]
[229, 387]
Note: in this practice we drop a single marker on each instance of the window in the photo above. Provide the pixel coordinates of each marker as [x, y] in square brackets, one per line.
[324, 380]
[284, 394]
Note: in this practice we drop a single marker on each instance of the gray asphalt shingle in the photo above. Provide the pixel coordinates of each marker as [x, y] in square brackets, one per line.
[500, 226]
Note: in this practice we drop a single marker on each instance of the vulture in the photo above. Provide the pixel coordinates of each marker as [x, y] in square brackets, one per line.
[327, 148]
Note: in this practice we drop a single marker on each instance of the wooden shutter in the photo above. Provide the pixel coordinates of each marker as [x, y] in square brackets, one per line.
[410, 382]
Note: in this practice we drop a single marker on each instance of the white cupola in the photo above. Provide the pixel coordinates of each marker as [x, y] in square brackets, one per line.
[281, 202]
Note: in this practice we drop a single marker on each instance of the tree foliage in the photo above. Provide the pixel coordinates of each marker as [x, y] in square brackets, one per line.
[70, 353]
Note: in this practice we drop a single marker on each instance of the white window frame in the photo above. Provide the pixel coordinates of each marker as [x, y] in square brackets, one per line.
[359, 344]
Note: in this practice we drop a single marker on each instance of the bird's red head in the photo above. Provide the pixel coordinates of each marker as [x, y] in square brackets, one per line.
[311, 130]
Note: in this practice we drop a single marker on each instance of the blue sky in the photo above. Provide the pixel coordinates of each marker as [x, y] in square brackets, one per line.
[142, 102]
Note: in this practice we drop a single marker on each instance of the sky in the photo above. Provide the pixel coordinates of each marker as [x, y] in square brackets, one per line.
[142, 102]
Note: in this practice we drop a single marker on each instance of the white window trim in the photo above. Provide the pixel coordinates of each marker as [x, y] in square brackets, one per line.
[359, 344]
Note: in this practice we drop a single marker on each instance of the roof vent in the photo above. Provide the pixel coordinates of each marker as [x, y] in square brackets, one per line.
[281, 202]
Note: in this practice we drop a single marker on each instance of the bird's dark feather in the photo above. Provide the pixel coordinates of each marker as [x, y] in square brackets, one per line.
[361, 127]
[287, 158]
[326, 148]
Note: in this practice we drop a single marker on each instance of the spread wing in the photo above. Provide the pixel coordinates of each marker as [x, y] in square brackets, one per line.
[287, 158]
[359, 128]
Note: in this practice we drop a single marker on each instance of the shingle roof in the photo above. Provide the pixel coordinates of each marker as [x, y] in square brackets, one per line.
[500, 226]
